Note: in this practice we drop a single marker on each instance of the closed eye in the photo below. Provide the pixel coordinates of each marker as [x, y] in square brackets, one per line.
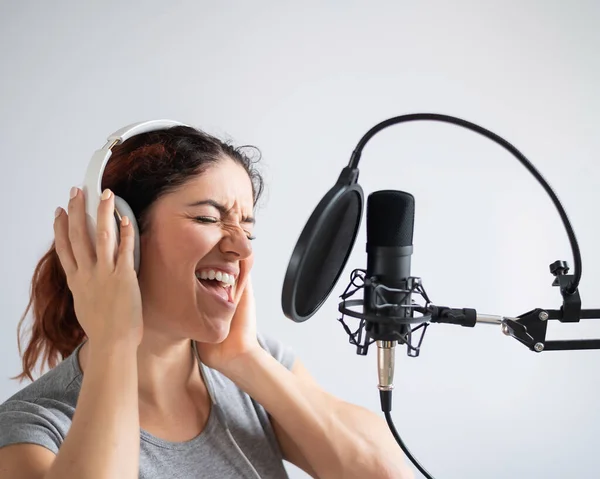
[212, 219]
[206, 219]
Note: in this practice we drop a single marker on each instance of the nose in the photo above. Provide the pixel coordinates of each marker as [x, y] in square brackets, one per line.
[236, 243]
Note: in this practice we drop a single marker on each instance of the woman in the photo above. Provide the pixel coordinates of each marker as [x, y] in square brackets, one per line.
[163, 373]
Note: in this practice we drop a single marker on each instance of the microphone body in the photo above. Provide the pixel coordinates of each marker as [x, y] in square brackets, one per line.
[387, 293]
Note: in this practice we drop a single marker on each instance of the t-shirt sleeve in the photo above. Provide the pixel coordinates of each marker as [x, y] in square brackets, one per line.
[27, 422]
[283, 353]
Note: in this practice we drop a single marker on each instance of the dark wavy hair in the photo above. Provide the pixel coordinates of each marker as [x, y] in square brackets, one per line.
[140, 170]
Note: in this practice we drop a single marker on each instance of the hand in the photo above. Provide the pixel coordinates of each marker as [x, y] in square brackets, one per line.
[241, 341]
[106, 293]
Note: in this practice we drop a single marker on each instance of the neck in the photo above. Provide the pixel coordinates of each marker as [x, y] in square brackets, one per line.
[167, 369]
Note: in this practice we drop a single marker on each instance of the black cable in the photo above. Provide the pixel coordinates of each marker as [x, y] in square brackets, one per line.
[386, 406]
[574, 284]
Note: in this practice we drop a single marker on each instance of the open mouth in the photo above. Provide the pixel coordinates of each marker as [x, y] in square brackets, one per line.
[217, 282]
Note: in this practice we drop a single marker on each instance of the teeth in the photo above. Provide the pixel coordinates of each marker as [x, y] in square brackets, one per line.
[224, 278]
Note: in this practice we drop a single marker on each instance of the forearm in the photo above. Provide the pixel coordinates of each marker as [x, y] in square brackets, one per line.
[376, 439]
[337, 439]
[103, 441]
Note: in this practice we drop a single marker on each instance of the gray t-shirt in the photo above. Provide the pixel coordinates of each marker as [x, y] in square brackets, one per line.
[41, 413]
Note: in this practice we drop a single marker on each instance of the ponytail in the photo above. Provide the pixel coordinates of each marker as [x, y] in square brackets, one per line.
[55, 331]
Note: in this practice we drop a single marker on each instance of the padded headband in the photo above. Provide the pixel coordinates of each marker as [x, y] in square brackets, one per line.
[92, 182]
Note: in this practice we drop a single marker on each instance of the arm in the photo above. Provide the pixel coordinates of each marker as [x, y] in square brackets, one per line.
[324, 436]
[103, 440]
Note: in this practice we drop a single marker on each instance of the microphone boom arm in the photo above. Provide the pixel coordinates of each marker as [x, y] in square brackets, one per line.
[530, 328]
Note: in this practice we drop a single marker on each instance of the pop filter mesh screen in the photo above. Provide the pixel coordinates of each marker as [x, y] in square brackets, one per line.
[325, 256]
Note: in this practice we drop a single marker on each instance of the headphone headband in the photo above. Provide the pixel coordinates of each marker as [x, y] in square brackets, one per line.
[92, 183]
[93, 177]
[141, 127]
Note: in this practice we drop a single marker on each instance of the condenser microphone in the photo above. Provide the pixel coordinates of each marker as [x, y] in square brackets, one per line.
[387, 293]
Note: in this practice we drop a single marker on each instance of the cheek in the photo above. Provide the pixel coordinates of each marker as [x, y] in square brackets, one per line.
[174, 248]
[195, 242]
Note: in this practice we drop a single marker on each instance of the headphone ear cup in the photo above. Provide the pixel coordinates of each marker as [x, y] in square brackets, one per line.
[125, 210]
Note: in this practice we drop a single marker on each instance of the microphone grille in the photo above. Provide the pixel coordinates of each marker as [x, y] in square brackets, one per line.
[390, 218]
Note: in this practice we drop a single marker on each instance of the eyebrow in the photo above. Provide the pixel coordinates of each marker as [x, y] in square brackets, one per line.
[221, 209]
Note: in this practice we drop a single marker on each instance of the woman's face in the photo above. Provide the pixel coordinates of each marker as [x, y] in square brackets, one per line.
[196, 254]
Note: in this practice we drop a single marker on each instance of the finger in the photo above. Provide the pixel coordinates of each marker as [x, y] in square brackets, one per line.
[62, 243]
[243, 287]
[106, 240]
[245, 268]
[248, 286]
[78, 232]
[126, 246]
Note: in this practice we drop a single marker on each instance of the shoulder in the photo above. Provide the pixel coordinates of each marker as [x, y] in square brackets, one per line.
[41, 412]
[61, 383]
[30, 422]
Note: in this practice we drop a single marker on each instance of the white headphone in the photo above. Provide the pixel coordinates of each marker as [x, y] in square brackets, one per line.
[92, 184]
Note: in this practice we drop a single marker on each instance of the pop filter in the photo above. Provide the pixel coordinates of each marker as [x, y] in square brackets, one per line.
[323, 248]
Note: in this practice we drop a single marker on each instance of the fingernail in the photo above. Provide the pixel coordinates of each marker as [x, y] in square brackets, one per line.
[57, 212]
[106, 194]
[73, 193]
[125, 221]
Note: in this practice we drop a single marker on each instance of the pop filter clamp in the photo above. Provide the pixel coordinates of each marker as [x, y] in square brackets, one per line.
[529, 328]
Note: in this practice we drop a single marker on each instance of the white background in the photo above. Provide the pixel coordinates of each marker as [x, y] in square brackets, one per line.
[303, 82]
